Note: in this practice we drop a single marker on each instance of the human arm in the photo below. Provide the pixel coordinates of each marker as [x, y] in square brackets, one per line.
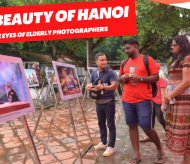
[123, 78]
[89, 87]
[111, 87]
[182, 87]
[163, 91]
[146, 79]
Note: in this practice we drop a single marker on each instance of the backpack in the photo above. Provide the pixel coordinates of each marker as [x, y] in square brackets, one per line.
[97, 94]
[145, 61]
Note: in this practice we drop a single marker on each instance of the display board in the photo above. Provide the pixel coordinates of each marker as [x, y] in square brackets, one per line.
[15, 98]
[67, 80]
[49, 75]
[31, 77]
[90, 70]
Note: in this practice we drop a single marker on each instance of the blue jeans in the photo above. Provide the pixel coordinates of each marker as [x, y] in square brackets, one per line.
[140, 112]
[107, 112]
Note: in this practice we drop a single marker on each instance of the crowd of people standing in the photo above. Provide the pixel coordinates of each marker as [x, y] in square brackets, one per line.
[139, 104]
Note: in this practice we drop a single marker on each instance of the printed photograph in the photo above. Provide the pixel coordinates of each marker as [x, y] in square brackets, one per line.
[49, 75]
[13, 94]
[31, 77]
[67, 80]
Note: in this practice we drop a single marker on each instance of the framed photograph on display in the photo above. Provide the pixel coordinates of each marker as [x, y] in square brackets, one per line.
[90, 70]
[49, 75]
[31, 77]
[67, 80]
[15, 98]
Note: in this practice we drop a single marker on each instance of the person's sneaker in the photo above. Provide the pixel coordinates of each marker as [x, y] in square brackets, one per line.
[100, 146]
[109, 151]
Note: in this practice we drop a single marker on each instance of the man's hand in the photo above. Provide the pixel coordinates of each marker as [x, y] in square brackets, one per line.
[88, 87]
[124, 78]
[166, 100]
[98, 87]
[162, 108]
[134, 78]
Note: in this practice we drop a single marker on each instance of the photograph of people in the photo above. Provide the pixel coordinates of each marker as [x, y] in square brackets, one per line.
[13, 94]
[31, 77]
[68, 80]
[49, 75]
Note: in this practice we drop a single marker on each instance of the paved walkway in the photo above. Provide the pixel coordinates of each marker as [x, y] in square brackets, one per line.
[124, 148]
[62, 148]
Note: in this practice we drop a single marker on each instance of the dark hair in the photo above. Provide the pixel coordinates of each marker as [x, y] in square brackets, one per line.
[131, 41]
[98, 54]
[184, 48]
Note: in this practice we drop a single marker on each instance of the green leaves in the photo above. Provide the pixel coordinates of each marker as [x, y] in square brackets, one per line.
[156, 24]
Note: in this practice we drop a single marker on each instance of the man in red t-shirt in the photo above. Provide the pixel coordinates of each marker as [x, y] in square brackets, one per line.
[137, 98]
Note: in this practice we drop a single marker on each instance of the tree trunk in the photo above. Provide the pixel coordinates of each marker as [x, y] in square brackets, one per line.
[90, 52]
[53, 50]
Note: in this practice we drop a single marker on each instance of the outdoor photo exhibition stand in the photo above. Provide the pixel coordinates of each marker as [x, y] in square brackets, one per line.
[38, 121]
[69, 88]
[16, 101]
[31, 142]
[87, 79]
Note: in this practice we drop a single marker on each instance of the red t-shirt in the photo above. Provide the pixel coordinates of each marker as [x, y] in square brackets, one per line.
[140, 91]
[160, 84]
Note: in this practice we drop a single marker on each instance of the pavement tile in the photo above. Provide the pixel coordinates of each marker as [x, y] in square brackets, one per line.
[12, 144]
[17, 157]
[8, 140]
[86, 161]
[82, 138]
[64, 155]
[46, 159]
[68, 140]
[29, 161]
[41, 152]
[60, 143]
[72, 145]
[60, 136]
[15, 150]
[53, 143]
[8, 135]
[56, 149]
[68, 161]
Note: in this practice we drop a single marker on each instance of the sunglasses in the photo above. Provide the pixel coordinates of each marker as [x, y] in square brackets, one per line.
[173, 45]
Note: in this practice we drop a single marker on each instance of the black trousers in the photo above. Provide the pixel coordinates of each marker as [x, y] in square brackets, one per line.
[159, 114]
[106, 112]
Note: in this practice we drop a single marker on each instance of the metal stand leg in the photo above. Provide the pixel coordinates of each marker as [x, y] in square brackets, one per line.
[77, 119]
[91, 109]
[33, 134]
[86, 126]
[34, 151]
[51, 123]
[74, 132]
[84, 95]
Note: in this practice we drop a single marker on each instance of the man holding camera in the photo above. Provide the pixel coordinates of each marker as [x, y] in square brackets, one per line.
[105, 103]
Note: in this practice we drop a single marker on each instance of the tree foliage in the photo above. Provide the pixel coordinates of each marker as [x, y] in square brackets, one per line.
[156, 24]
